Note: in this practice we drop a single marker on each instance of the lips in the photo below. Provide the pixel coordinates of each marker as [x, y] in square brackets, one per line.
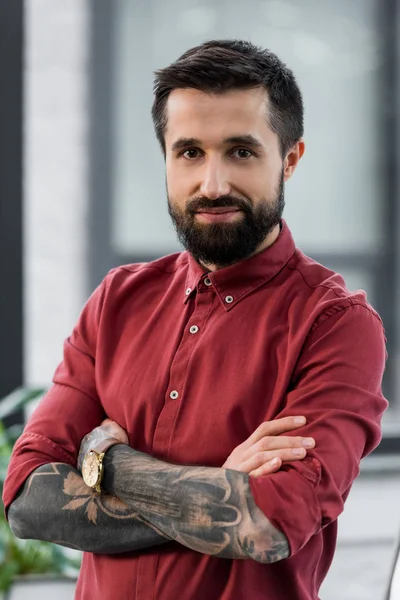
[219, 215]
[218, 211]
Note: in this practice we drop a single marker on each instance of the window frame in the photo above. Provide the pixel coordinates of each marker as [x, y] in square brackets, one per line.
[11, 175]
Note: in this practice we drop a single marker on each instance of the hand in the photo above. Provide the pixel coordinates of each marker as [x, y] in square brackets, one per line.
[266, 449]
[106, 429]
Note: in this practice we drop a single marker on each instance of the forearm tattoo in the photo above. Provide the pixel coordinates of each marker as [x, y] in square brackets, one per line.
[206, 509]
[55, 505]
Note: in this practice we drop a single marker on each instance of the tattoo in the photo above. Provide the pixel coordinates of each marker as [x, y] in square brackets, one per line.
[55, 505]
[206, 509]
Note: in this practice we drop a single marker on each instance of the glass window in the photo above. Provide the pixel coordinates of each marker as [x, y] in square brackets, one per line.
[334, 48]
[339, 204]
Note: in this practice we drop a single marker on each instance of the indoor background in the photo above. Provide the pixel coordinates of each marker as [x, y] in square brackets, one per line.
[82, 184]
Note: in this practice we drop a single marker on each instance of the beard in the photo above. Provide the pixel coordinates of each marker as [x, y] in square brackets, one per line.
[222, 244]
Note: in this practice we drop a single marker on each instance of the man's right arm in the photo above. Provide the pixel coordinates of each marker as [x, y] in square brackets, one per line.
[53, 502]
[56, 506]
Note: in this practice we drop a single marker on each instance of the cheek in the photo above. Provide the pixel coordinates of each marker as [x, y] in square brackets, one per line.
[265, 181]
[255, 183]
[171, 180]
[174, 188]
[178, 183]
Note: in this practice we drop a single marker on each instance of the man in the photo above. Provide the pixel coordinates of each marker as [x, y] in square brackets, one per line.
[185, 377]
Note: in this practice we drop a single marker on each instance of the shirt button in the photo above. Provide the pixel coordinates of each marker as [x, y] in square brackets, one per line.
[208, 281]
[229, 299]
[173, 395]
[188, 291]
[194, 329]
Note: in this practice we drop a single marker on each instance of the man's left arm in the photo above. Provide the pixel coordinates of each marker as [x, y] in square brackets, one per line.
[209, 510]
[226, 513]
[337, 386]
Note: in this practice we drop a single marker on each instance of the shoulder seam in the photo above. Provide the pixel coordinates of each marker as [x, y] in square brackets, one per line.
[142, 266]
[320, 285]
[347, 299]
[323, 317]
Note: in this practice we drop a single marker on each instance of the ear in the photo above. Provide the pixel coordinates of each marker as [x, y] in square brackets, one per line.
[292, 158]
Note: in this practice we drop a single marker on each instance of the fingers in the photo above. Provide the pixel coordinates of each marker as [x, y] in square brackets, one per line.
[260, 458]
[267, 468]
[115, 430]
[280, 442]
[110, 425]
[276, 427]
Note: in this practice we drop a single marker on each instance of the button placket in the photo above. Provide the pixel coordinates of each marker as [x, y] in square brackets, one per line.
[178, 373]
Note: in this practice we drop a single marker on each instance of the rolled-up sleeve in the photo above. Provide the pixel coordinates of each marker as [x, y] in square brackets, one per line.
[337, 386]
[70, 409]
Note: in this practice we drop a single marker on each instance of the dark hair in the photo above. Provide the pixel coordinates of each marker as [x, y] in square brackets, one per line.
[221, 65]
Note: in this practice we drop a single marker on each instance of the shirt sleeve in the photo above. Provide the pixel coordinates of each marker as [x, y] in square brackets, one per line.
[70, 409]
[337, 386]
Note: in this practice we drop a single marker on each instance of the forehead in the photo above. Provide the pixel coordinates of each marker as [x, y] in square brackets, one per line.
[208, 116]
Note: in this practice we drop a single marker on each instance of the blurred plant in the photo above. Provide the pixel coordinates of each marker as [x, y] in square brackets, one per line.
[24, 557]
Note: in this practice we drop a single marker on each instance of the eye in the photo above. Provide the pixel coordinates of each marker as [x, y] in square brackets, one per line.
[190, 153]
[242, 153]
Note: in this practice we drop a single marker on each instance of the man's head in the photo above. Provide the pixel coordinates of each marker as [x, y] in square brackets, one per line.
[229, 118]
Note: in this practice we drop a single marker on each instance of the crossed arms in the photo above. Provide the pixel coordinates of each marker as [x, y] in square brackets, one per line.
[211, 510]
[149, 502]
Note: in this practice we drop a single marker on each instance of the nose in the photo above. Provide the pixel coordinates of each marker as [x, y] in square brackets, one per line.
[215, 181]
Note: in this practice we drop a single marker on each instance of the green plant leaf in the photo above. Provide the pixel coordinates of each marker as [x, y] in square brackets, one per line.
[25, 557]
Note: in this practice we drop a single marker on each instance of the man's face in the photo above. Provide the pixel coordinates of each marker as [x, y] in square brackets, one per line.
[225, 174]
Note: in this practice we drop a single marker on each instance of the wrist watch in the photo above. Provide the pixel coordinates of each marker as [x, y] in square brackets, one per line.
[92, 465]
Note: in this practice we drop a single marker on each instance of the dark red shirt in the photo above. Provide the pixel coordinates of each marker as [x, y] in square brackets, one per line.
[190, 363]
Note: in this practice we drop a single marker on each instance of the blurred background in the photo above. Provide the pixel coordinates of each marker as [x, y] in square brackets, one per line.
[82, 187]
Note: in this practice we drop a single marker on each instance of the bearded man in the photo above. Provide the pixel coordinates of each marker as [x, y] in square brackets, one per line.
[208, 419]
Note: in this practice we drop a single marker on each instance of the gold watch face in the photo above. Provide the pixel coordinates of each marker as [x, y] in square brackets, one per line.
[91, 469]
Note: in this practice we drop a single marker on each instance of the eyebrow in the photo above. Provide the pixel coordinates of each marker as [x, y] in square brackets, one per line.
[246, 140]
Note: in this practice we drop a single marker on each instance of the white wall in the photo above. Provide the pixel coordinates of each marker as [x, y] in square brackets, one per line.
[55, 179]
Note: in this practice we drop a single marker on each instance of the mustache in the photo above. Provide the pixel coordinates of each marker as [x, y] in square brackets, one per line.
[202, 203]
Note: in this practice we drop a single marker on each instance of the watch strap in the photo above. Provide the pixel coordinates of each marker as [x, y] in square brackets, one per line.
[104, 445]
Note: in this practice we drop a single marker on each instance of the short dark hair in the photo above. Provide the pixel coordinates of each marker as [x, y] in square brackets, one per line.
[221, 65]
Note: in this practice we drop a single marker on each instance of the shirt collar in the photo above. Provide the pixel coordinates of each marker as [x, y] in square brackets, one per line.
[235, 282]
